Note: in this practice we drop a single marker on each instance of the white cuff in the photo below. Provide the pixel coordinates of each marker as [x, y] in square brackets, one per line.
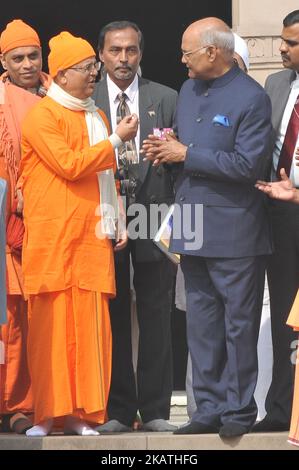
[115, 140]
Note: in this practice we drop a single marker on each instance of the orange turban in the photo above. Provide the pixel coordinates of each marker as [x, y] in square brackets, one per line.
[18, 34]
[67, 50]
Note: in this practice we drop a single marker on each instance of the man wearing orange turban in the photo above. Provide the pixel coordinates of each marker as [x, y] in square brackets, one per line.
[67, 169]
[21, 86]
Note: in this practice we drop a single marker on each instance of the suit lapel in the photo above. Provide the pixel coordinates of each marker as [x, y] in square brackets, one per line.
[102, 99]
[281, 100]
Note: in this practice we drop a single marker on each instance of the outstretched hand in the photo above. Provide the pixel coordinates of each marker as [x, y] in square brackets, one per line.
[283, 190]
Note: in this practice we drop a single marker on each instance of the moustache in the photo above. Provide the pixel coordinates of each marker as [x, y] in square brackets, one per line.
[30, 70]
[285, 56]
[127, 67]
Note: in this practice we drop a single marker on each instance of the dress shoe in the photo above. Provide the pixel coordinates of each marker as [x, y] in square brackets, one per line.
[158, 425]
[113, 426]
[194, 427]
[232, 430]
[267, 425]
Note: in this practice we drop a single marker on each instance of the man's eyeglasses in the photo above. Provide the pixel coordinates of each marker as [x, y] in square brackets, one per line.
[88, 68]
[187, 54]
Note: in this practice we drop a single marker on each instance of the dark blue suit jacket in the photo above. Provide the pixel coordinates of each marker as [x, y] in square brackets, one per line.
[226, 124]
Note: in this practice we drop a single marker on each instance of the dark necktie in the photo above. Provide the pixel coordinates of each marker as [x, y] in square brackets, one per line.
[127, 153]
[287, 151]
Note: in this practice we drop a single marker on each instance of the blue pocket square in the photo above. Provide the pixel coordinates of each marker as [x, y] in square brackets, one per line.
[221, 120]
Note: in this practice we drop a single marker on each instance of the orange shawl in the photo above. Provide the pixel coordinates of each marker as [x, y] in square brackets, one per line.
[15, 102]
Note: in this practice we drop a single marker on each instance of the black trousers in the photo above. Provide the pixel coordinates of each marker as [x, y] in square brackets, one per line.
[283, 280]
[153, 283]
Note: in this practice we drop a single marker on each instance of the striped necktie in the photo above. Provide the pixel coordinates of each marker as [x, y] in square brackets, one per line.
[127, 153]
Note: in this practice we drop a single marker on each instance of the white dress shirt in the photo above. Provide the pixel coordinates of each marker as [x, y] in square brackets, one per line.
[132, 93]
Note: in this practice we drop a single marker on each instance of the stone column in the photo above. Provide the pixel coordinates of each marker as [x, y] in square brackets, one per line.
[259, 22]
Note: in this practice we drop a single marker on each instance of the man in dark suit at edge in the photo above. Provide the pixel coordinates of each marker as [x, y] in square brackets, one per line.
[283, 266]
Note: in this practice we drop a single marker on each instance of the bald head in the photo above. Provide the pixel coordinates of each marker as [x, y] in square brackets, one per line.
[213, 31]
[208, 48]
[210, 23]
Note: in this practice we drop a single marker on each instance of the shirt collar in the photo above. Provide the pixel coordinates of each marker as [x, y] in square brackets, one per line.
[295, 83]
[223, 80]
[114, 90]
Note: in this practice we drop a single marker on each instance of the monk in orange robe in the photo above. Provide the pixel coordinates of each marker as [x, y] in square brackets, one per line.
[21, 86]
[67, 173]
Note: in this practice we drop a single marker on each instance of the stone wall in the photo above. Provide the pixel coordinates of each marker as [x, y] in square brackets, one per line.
[259, 22]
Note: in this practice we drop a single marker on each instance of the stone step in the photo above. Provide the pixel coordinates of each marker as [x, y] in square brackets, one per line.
[178, 408]
[147, 441]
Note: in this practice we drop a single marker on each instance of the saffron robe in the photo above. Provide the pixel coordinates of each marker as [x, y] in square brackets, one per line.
[65, 264]
[15, 393]
[61, 199]
[69, 348]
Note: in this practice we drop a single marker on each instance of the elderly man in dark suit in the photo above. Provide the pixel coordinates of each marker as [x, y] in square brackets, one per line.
[283, 266]
[223, 119]
[120, 50]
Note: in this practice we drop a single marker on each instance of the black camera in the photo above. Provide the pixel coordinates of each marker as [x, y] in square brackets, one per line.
[128, 187]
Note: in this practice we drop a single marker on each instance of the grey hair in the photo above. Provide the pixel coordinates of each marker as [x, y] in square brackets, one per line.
[222, 39]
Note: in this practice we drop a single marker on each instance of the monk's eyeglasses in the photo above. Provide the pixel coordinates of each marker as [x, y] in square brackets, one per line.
[88, 68]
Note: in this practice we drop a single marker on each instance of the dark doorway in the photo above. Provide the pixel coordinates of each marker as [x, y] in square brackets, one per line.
[162, 23]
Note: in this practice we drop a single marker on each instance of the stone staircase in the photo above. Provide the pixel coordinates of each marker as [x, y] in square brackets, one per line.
[139, 440]
[147, 441]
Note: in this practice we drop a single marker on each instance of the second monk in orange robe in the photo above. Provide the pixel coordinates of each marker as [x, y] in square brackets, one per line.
[21, 86]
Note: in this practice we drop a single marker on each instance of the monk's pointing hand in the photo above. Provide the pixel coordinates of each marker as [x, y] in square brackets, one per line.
[127, 128]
